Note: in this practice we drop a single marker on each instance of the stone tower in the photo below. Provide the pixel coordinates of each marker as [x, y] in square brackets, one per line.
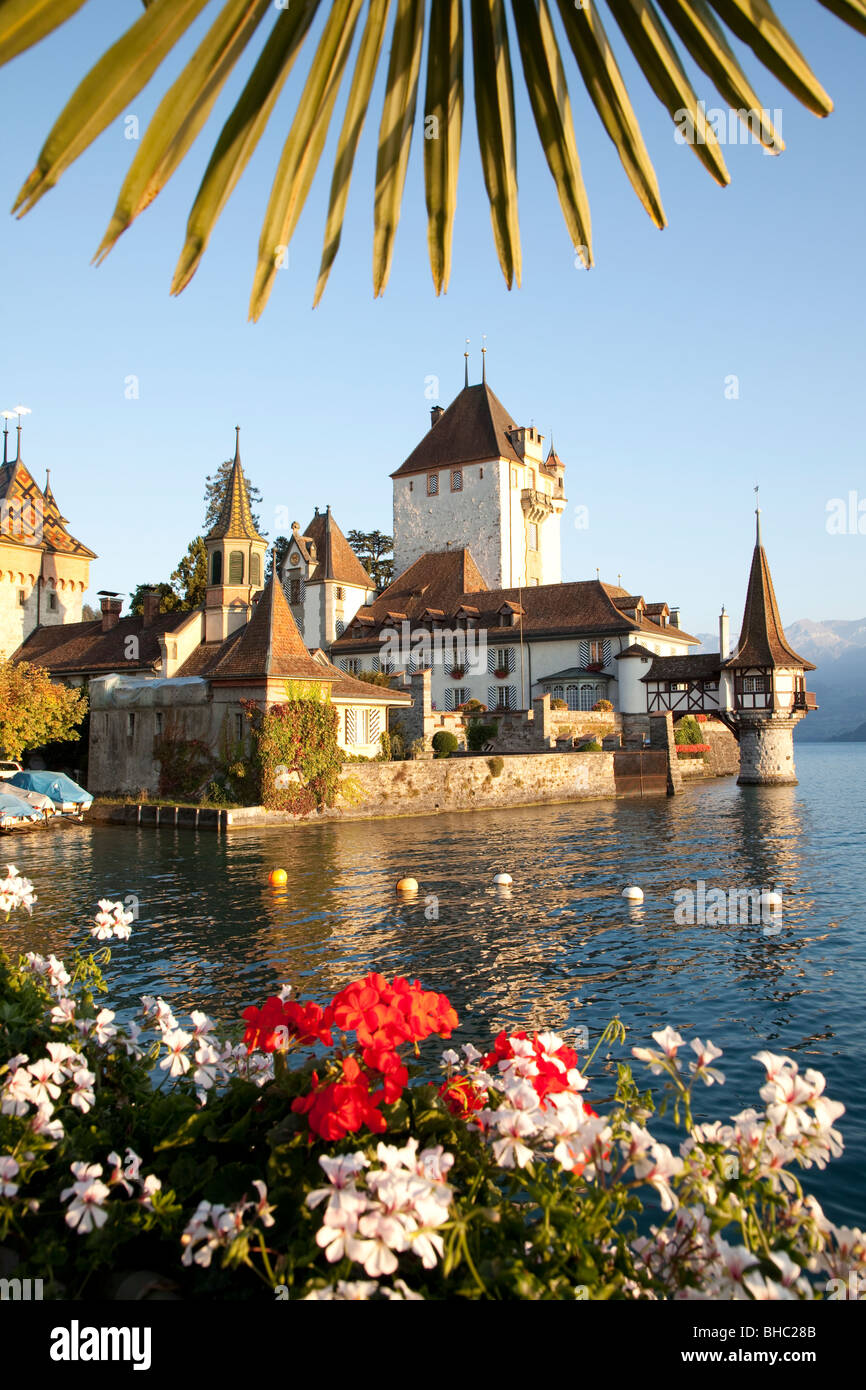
[235, 559]
[769, 694]
[481, 482]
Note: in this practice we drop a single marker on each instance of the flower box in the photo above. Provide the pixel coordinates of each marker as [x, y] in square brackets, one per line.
[501, 672]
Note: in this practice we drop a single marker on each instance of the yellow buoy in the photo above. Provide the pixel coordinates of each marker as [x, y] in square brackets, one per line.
[277, 878]
[407, 885]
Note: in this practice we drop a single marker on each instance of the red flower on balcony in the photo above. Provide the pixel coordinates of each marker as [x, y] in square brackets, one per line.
[457, 673]
[501, 672]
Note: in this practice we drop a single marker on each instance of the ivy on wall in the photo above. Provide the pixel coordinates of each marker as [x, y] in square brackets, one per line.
[185, 764]
[296, 754]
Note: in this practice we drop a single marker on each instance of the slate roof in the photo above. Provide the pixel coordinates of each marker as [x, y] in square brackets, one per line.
[335, 558]
[83, 648]
[18, 484]
[476, 426]
[762, 638]
[235, 520]
[636, 649]
[706, 666]
[446, 579]
[573, 673]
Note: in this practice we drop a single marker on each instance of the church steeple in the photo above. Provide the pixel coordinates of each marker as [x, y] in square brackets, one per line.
[235, 557]
[762, 641]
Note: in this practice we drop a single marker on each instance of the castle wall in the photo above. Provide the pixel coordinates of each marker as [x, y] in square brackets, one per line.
[470, 518]
[767, 750]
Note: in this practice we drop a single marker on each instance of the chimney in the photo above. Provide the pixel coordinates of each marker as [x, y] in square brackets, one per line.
[724, 634]
[436, 413]
[675, 617]
[111, 605]
[149, 608]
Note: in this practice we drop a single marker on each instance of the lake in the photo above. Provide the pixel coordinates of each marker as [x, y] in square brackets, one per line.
[562, 950]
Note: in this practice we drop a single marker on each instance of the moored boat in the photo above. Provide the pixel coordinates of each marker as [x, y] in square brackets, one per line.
[66, 796]
[16, 813]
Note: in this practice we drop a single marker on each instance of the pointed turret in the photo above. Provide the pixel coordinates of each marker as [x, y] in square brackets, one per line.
[269, 646]
[235, 520]
[235, 557]
[762, 638]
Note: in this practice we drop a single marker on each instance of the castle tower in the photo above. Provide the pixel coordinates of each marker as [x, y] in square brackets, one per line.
[235, 558]
[323, 580]
[769, 694]
[479, 481]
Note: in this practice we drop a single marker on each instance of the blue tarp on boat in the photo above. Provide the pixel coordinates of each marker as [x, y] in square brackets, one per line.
[14, 807]
[57, 785]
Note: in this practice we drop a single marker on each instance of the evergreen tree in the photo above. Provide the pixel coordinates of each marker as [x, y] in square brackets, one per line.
[372, 549]
[190, 578]
[277, 552]
[215, 491]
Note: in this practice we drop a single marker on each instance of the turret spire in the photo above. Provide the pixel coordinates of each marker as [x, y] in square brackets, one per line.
[466, 364]
[757, 518]
[484, 359]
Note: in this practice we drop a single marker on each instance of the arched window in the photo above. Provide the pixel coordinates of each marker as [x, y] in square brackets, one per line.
[216, 568]
[571, 695]
[587, 697]
[255, 569]
[236, 567]
[601, 692]
[557, 692]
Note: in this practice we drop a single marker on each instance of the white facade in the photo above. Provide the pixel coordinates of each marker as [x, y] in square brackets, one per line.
[322, 608]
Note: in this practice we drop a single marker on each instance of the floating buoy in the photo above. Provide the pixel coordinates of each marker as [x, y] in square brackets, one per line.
[278, 878]
[407, 885]
[503, 880]
[771, 901]
[634, 894]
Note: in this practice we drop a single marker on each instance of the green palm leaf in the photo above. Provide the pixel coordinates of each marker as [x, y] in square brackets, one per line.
[703, 28]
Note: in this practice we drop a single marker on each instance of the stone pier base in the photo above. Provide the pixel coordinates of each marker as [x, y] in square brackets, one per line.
[767, 750]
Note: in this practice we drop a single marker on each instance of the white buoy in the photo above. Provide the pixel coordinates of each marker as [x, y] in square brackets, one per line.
[634, 894]
[771, 904]
[503, 880]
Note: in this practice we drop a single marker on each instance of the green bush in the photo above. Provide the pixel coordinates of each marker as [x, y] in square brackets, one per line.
[384, 747]
[602, 705]
[445, 743]
[558, 703]
[474, 707]
[593, 746]
[496, 765]
[688, 730]
[478, 734]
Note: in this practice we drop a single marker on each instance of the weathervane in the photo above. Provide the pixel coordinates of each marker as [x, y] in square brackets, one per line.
[466, 364]
[483, 357]
[758, 513]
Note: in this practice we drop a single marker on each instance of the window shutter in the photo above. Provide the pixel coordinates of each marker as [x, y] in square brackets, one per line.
[607, 651]
[375, 725]
[491, 697]
[351, 726]
[491, 661]
[449, 698]
[512, 697]
[583, 648]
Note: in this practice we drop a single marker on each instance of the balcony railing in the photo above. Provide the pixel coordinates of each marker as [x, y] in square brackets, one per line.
[805, 699]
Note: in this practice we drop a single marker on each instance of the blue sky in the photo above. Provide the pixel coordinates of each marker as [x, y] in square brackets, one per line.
[627, 363]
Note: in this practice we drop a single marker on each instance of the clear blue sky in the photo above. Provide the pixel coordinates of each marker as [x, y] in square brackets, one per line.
[626, 363]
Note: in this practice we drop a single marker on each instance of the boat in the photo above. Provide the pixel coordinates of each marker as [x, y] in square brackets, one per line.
[38, 800]
[16, 813]
[67, 797]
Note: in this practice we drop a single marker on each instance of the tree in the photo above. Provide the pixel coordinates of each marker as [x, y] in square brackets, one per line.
[169, 601]
[190, 577]
[371, 548]
[33, 710]
[215, 491]
[277, 554]
[89, 614]
[373, 677]
[121, 73]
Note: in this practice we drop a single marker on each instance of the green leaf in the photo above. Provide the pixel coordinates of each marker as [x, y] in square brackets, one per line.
[303, 148]
[24, 22]
[660, 63]
[241, 133]
[853, 12]
[182, 113]
[107, 89]
[756, 23]
[443, 126]
[606, 88]
[548, 94]
[494, 108]
[353, 123]
[395, 134]
[704, 37]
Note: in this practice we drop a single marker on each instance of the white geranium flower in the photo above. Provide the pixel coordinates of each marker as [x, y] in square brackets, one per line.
[176, 1041]
[9, 1169]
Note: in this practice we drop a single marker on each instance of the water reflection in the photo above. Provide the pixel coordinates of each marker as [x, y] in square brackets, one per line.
[560, 948]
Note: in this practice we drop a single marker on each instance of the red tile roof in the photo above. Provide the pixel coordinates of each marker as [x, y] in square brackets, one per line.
[335, 558]
[84, 649]
[476, 426]
[269, 645]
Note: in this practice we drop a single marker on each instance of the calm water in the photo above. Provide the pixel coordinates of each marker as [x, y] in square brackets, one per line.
[561, 950]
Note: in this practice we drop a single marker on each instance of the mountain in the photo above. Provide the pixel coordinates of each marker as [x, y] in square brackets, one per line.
[838, 649]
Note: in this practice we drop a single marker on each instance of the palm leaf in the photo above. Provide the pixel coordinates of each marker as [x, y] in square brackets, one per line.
[756, 23]
[606, 88]
[353, 123]
[25, 22]
[703, 36]
[182, 113]
[303, 148]
[444, 107]
[395, 134]
[494, 107]
[651, 46]
[853, 12]
[241, 133]
[548, 95]
[107, 90]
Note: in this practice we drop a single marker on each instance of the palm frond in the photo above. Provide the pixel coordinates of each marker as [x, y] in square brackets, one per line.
[395, 134]
[24, 22]
[497, 135]
[443, 127]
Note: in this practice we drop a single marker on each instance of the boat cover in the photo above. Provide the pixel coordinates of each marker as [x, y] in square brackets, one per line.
[54, 784]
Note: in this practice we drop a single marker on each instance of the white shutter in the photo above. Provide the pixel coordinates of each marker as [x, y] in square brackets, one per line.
[375, 725]
[583, 649]
[491, 697]
[351, 726]
[512, 697]
[511, 657]
[449, 698]
[491, 661]
[607, 651]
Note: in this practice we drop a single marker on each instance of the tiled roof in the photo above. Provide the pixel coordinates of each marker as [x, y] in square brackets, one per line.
[584, 606]
[235, 520]
[762, 638]
[636, 649]
[18, 484]
[335, 558]
[475, 426]
[573, 673]
[702, 667]
[83, 648]
[268, 645]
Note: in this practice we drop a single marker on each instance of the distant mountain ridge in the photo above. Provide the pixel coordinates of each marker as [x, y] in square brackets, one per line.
[838, 648]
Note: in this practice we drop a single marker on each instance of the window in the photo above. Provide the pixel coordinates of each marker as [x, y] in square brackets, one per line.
[456, 479]
[255, 569]
[504, 658]
[236, 567]
[362, 726]
[505, 697]
[572, 696]
[216, 568]
[515, 478]
[52, 603]
[130, 726]
[411, 485]
[432, 484]
[587, 697]
[351, 665]
[455, 696]
[239, 728]
[339, 593]
[596, 652]
[678, 685]
[755, 685]
[558, 692]
[481, 472]
[533, 535]
[295, 589]
[22, 598]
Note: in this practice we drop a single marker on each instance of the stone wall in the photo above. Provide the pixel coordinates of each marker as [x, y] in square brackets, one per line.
[463, 784]
[723, 758]
[767, 750]
[662, 738]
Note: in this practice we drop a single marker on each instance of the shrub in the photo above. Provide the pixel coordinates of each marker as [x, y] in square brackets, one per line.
[687, 730]
[603, 705]
[496, 765]
[559, 703]
[473, 707]
[185, 764]
[444, 743]
[384, 746]
[270, 1164]
[478, 734]
[591, 746]
[373, 677]
[297, 754]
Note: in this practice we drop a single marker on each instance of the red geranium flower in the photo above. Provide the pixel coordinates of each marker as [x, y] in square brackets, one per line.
[462, 1097]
